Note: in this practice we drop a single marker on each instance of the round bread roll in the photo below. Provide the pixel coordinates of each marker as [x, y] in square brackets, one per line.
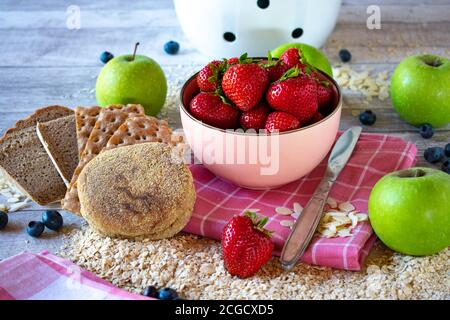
[141, 190]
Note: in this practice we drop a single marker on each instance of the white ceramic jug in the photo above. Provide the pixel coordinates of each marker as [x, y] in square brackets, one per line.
[225, 28]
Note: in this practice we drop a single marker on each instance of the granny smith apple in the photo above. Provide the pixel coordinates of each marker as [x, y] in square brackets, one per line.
[420, 90]
[132, 79]
[314, 56]
[410, 211]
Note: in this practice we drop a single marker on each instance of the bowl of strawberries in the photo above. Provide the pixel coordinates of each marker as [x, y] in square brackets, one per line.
[260, 123]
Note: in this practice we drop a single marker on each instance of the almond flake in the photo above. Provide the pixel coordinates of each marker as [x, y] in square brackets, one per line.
[287, 223]
[344, 233]
[297, 208]
[284, 211]
[346, 206]
[362, 217]
[353, 218]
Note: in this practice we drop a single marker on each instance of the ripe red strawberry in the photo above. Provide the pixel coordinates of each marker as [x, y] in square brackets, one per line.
[208, 77]
[324, 93]
[281, 121]
[276, 71]
[210, 109]
[291, 57]
[245, 84]
[317, 117]
[255, 118]
[246, 245]
[295, 94]
[233, 60]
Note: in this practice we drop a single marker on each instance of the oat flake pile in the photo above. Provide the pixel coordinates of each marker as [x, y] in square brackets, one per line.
[193, 266]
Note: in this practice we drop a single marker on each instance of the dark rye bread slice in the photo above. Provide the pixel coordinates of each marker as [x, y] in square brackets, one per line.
[59, 139]
[23, 158]
[40, 115]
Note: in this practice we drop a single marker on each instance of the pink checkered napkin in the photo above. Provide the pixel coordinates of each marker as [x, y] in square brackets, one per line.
[44, 276]
[374, 156]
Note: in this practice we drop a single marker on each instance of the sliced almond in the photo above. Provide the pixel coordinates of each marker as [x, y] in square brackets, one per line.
[346, 206]
[344, 233]
[362, 217]
[298, 207]
[284, 211]
[287, 223]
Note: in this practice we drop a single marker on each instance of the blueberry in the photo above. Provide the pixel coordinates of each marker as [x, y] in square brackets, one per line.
[3, 220]
[151, 292]
[52, 219]
[433, 154]
[172, 47]
[177, 298]
[167, 294]
[446, 166]
[367, 117]
[106, 56]
[35, 228]
[447, 150]
[426, 131]
[345, 55]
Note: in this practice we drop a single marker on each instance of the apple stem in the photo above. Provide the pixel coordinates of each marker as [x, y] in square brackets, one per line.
[135, 49]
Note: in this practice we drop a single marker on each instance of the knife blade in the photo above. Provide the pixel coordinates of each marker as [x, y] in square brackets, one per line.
[309, 219]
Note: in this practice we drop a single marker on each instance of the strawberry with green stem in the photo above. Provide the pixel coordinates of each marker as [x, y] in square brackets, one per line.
[244, 83]
[295, 93]
[246, 244]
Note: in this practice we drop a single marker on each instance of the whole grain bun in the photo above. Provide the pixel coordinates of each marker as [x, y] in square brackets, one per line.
[142, 190]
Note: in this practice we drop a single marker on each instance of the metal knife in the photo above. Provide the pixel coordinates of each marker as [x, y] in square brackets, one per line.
[309, 219]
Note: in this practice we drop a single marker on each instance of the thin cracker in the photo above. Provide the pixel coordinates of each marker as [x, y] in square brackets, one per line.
[85, 119]
[109, 120]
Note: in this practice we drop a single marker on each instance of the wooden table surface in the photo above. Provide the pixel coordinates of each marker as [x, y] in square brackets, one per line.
[42, 62]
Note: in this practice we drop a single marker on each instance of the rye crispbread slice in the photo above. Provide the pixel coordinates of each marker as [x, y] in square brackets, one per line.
[59, 139]
[108, 122]
[142, 129]
[24, 161]
[85, 118]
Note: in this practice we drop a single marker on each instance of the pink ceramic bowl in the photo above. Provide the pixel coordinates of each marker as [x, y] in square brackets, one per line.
[259, 161]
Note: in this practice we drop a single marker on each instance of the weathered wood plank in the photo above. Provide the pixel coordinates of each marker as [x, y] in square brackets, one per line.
[56, 17]
[62, 47]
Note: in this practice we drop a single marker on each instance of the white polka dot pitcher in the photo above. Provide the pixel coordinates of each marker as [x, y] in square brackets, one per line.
[225, 28]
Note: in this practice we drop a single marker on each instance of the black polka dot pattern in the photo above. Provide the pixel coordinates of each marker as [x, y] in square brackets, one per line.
[229, 36]
[263, 4]
[297, 33]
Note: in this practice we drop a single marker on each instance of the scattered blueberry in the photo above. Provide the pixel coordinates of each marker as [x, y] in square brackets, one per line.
[447, 150]
[3, 220]
[426, 131]
[345, 55]
[151, 292]
[35, 228]
[446, 166]
[52, 219]
[172, 47]
[263, 4]
[106, 56]
[433, 154]
[367, 117]
[167, 294]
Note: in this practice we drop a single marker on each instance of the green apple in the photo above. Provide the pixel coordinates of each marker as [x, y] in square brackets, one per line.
[420, 90]
[132, 79]
[314, 56]
[410, 211]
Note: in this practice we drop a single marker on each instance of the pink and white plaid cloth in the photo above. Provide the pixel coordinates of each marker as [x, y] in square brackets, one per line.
[44, 276]
[374, 156]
